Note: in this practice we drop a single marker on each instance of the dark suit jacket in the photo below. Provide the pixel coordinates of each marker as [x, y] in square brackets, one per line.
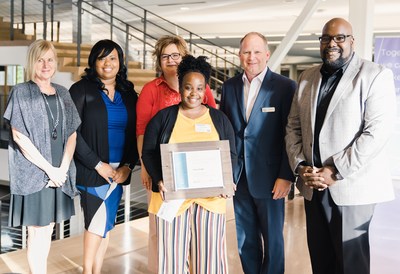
[92, 144]
[260, 144]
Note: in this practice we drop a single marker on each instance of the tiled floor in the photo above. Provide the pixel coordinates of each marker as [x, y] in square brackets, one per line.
[385, 236]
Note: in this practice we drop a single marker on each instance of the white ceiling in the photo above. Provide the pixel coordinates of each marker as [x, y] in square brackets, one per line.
[225, 21]
[272, 17]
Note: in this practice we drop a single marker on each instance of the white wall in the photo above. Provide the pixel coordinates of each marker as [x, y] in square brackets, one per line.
[4, 164]
[16, 55]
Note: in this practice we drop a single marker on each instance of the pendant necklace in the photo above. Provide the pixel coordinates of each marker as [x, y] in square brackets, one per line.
[55, 123]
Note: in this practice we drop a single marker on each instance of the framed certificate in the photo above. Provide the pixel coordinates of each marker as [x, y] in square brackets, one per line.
[197, 169]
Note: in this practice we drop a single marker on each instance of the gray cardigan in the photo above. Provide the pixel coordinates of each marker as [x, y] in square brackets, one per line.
[26, 112]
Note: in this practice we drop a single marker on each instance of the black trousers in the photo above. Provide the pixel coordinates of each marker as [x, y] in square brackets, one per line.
[338, 236]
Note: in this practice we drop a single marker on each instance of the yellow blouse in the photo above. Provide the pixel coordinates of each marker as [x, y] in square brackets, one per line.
[192, 130]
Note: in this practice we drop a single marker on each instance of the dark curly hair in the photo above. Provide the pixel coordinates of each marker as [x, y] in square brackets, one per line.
[190, 63]
[102, 49]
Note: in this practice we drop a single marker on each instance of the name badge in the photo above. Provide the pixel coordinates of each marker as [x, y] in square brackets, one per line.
[203, 128]
[269, 109]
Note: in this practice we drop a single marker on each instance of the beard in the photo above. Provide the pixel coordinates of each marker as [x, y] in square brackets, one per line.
[335, 64]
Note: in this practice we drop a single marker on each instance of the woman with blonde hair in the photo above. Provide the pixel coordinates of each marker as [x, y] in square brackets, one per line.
[43, 121]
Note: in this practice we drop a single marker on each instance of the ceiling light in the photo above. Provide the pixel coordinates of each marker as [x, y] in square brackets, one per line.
[184, 8]
[179, 4]
[387, 31]
[306, 41]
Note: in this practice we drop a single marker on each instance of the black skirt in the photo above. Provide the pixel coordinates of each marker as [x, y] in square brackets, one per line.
[50, 205]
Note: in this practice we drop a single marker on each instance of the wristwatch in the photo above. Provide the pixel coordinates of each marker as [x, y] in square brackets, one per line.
[300, 165]
[338, 176]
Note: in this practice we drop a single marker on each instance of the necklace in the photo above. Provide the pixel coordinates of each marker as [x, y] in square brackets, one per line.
[55, 123]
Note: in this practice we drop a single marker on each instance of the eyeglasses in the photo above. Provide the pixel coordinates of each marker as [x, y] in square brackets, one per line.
[337, 38]
[174, 56]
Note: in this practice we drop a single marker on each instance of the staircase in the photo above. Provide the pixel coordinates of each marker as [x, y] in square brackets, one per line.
[18, 34]
[67, 57]
[67, 62]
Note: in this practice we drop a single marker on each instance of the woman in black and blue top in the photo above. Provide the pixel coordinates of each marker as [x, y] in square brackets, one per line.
[106, 145]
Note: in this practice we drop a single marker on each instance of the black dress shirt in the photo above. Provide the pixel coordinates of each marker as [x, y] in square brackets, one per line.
[330, 81]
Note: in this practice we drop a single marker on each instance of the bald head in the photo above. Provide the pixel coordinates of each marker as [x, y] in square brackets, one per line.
[338, 23]
[336, 43]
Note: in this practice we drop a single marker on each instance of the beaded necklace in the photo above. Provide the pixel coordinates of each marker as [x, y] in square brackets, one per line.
[55, 123]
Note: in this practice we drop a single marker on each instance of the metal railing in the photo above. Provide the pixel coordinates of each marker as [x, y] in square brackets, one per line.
[11, 238]
[134, 28]
[142, 30]
[14, 238]
[31, 28]
[29, 16]
[133, 206]
[134, 201]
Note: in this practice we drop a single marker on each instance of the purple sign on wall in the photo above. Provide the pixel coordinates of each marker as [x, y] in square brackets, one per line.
[387, 53]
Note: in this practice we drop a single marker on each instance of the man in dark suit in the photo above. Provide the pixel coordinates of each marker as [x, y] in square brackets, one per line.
[257, 103]
[337, 139]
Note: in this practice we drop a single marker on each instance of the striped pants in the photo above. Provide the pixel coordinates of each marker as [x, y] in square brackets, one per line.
[195, 242]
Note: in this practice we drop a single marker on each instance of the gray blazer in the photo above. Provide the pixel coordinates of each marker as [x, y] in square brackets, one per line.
[26, 112]
[355, 133]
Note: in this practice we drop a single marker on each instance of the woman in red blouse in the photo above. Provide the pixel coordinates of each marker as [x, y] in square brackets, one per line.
[156, 95]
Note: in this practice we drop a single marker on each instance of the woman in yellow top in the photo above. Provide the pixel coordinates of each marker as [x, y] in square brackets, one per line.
[195, 241]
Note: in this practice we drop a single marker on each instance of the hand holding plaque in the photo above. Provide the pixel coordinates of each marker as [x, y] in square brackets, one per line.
[197, 170]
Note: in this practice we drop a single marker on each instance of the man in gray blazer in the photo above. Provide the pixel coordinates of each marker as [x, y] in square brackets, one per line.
[338, 128]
